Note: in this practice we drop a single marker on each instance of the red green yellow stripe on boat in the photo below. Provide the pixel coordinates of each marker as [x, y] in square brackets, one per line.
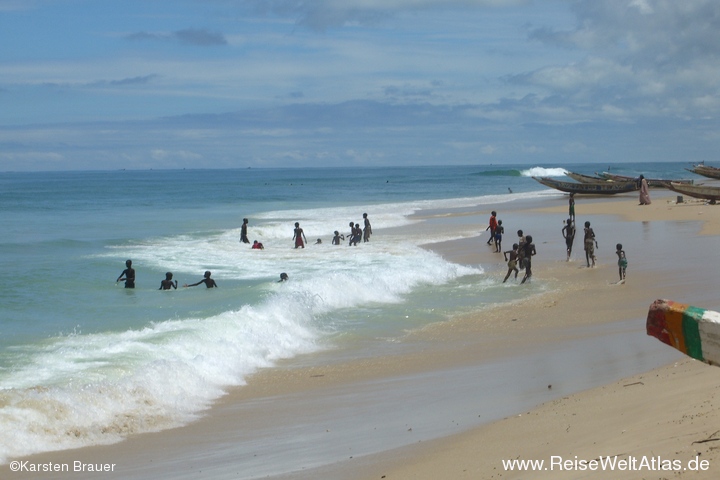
[692, 330]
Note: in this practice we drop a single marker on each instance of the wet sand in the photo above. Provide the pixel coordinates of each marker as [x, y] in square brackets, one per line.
[528, 380]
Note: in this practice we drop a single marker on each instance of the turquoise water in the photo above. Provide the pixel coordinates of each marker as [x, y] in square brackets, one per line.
[80, 353]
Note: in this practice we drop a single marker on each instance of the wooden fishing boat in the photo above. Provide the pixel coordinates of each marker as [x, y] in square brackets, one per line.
[606, 188]
[652, 182]
[705, 171]
[692, 330]
[579, 177]
[697, 191]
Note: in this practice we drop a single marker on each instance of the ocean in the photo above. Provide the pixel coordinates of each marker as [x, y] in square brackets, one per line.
[84, 361]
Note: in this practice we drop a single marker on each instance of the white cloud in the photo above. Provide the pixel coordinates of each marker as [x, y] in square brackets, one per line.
[324, 14]
[488, 149]
[643, 6]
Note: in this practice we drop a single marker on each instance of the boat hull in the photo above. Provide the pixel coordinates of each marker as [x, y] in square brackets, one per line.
[697, 191]
[652, 182]
[606, 188]
[579, 177]
[691, 330]
[705, 171]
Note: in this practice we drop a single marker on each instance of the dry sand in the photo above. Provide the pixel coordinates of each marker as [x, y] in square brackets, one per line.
[664, 208]
[658, 415]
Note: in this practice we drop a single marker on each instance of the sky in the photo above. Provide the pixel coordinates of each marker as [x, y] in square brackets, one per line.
[155, 84]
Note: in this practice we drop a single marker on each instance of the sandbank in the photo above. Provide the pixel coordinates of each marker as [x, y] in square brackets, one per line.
[529, 380]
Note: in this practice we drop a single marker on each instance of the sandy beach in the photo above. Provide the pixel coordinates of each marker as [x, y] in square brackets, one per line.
[658, 424]
[567, 374]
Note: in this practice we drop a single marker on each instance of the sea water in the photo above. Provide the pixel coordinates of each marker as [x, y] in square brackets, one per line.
[85, 361]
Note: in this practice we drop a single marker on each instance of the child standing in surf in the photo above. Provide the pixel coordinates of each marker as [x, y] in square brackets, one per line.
[512, 261]
[622, 262]
[299, 236]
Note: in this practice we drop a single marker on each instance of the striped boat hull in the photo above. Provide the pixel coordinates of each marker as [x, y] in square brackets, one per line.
[692, 330]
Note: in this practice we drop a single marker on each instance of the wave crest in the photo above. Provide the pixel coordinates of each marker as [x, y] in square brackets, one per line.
[544, 172]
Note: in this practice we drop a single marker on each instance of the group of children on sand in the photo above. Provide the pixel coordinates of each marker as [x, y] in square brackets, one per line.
[522, 252]
[590, 242]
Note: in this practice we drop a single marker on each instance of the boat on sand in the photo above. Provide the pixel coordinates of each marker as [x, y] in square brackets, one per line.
[579, 177]
[705, 171]
[606, 188]
[704, 192]
[652, 182]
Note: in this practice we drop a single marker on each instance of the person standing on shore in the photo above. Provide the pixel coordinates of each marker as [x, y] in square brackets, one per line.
[299, 236]
[128, 275]
[622, 262]
[243, 231]
[529, 252]
[492, 225]
[512, 261]
[367, 231]
[644, 192]
[499, 230]
[571, 207]
[568, 233]
[590, 244]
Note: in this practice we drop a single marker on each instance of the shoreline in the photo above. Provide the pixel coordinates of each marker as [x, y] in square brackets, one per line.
[440, 348]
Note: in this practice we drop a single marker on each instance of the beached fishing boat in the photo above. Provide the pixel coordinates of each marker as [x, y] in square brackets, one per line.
[652, 182]
[697, 191]
[692, 330]
[579, 177]
[705, 171]
[606, 188]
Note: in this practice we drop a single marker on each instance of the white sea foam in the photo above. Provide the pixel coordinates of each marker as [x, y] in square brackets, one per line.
[95, 389]
[323, 221]
[544, 172]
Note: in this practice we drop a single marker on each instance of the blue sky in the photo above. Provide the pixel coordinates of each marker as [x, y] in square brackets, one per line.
[108, 84]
